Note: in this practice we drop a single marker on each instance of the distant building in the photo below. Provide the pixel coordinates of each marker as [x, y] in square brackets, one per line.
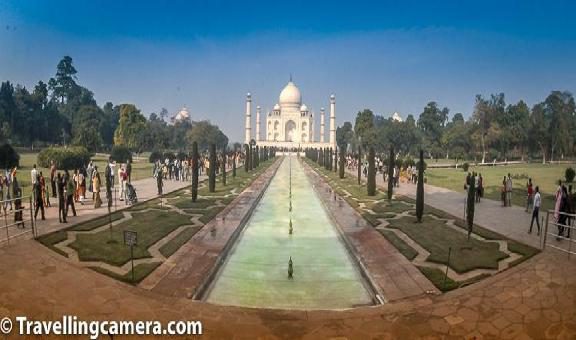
[396, 117]
[182, 115]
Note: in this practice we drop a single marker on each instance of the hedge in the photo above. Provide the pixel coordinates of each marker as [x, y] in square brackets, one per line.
[121, 154]
[9, 158]
[67, 158]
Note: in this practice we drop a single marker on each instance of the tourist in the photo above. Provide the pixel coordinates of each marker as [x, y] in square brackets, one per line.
[2, 183]
[109, 178]
[76, 186]
[557, 201]
[467, 182]
[53, 177]
[81, 186]
[33, 175]
[477, 187]
[8, 186]
[480, 186]
[509, 190]
[96, 183]
[39, 203]
[562, 213]
[121, 173]
[503, 192]
[123, 181]
[69, 191]
[530, 194]
[61, 200]
[17, 194]
[570, 210]
[44, 191]
[89, 178]
[129, 171]
[159, 178]
[536, 210]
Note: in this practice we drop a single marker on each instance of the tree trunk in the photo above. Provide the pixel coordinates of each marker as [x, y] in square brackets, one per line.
[420, 189]
[224, 167]
[483, 149]
[212, 172]
[195, 167]
[391, 173]
[371, 185]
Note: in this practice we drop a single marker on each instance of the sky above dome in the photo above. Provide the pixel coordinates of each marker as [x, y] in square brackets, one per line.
[385, 55]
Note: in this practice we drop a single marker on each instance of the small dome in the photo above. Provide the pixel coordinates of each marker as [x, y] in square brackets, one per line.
[332, 96]
[303, 108]
[182, 115]
[290, 96]
[276, 107]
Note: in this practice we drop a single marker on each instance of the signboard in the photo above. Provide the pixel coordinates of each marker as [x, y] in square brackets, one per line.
[130, 238]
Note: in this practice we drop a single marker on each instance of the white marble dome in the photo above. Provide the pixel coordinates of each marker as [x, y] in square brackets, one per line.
[290, 96]
[303, 108]
[276, 107]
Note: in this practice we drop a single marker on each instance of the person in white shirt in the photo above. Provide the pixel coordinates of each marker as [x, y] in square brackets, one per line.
[536, 210]
[34, 175]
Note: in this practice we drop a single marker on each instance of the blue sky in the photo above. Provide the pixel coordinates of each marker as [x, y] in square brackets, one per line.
[384, 55]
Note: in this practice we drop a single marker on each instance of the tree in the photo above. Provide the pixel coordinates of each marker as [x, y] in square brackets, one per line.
[364, 128]
[345, 135]
[359, 168]
[371, 185]
[247, 157]
[335, 160]
[195, 166]
[224, 167]
[85, 131]
[9, 158]
[432, 122]
[212, 170]
[63, 85]
[420, 189]
[390, 173]
[130, 127]
[342, 161]
[484, 115]
[205, 134]
[234, 165]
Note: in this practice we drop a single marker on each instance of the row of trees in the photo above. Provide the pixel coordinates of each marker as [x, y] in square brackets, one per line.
[495, 130]
[62, 112]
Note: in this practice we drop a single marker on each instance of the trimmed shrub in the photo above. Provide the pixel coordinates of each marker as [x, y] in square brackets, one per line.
[420, 188]
[121, 154]
[9, 158]
[156, 155]
[195, 165]
[569, 174]
[465, 166]
[342, 161]
[69, 158]
[390, 173]
[371, 185]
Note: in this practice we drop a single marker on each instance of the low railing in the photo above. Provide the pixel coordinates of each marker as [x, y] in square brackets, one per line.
[16, 222]
[559, 232]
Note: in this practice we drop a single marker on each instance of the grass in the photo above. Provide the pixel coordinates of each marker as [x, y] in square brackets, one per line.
[545, 176]
[151, 226]
[178, 241]
[434, 236]
[50, 240]
[437, 277]
[140, 272]
[98, 222]
[403, 247]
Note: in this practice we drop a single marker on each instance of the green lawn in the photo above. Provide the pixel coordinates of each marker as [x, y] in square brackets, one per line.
[545, 176]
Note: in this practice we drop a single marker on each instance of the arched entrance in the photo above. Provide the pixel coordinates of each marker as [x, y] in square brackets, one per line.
[290, 131]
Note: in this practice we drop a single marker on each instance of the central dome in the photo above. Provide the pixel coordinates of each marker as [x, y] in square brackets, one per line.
[290, 96]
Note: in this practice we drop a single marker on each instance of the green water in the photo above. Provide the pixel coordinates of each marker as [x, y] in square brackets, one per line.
[255, 273]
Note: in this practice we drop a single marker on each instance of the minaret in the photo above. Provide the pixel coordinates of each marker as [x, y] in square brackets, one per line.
[257, 123]
[312, 127]
[322, 114]
[333, 120]
[248, 113]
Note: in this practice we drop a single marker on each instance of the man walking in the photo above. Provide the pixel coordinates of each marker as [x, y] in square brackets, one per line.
[509, 190]
[38, 199]
[70, 189]
[53, 177]
[536, 210]
[61, 200]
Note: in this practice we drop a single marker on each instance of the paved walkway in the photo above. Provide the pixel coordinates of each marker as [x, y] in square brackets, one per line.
[512, 222]
[145, 188]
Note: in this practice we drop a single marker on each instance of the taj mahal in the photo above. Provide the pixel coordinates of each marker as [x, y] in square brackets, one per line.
[290, 123]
